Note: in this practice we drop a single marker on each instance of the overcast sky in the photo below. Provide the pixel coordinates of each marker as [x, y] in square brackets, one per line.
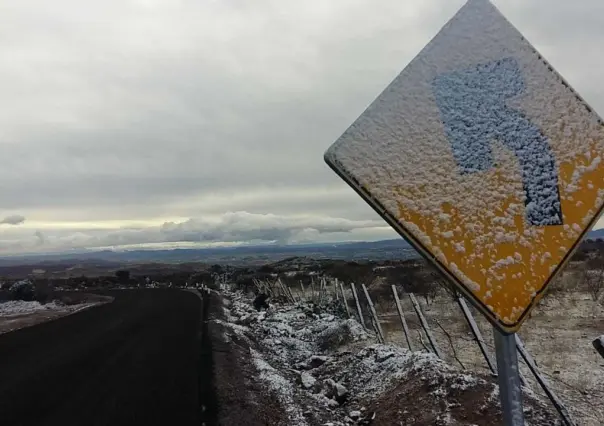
[150, 121]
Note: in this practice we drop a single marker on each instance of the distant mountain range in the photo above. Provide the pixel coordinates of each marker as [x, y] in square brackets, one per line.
[598, 233]
[363, 250]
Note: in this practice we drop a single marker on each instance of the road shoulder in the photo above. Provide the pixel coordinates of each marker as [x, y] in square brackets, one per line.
[243, 400]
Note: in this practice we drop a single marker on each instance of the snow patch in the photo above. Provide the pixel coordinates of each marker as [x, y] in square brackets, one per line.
[280, 385]
[20, 307]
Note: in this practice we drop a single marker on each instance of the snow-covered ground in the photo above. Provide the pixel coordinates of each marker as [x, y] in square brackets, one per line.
[20, 307]
[327, 370]
[17, 314]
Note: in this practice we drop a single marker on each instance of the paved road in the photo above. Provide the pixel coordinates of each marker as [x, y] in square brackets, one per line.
[136, 361]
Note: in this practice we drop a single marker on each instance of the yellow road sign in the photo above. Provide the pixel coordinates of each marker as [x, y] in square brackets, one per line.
[484, 158]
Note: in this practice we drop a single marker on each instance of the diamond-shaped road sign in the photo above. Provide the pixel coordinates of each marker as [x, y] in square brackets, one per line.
[484, 158]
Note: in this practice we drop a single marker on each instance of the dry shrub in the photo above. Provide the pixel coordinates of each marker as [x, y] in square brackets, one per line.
[568, 281]
[335, 336]
[593, 276]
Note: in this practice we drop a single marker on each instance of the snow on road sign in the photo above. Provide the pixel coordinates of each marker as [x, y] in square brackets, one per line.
[484, 158]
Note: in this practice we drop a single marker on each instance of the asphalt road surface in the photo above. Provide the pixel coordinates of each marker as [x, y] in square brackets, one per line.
[140, 360]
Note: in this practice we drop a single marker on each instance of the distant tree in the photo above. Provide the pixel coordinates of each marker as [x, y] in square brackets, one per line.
[216, 269]
[352, 272]
[123, 275]
[267, 269]
[245, 282]
[419, 278]
[200, 277]
[43, 290]
[580, 255]
[22, 290]
[593, 275]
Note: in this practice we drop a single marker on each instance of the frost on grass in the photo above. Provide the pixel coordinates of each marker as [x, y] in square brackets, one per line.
[480, 151]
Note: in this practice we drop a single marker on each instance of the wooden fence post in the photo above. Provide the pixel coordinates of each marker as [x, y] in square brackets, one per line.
[476, 332]
[374, 314]
[402, 317]
[543, 383]
[424, 323]
[345, 300]
[356, 299]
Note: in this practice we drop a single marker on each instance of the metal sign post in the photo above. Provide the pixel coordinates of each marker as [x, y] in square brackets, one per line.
[510, 389]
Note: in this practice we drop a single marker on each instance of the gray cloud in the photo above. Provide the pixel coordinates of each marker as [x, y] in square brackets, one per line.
[41, 239]
[152, 109]
[231, 227]
[13, 220]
